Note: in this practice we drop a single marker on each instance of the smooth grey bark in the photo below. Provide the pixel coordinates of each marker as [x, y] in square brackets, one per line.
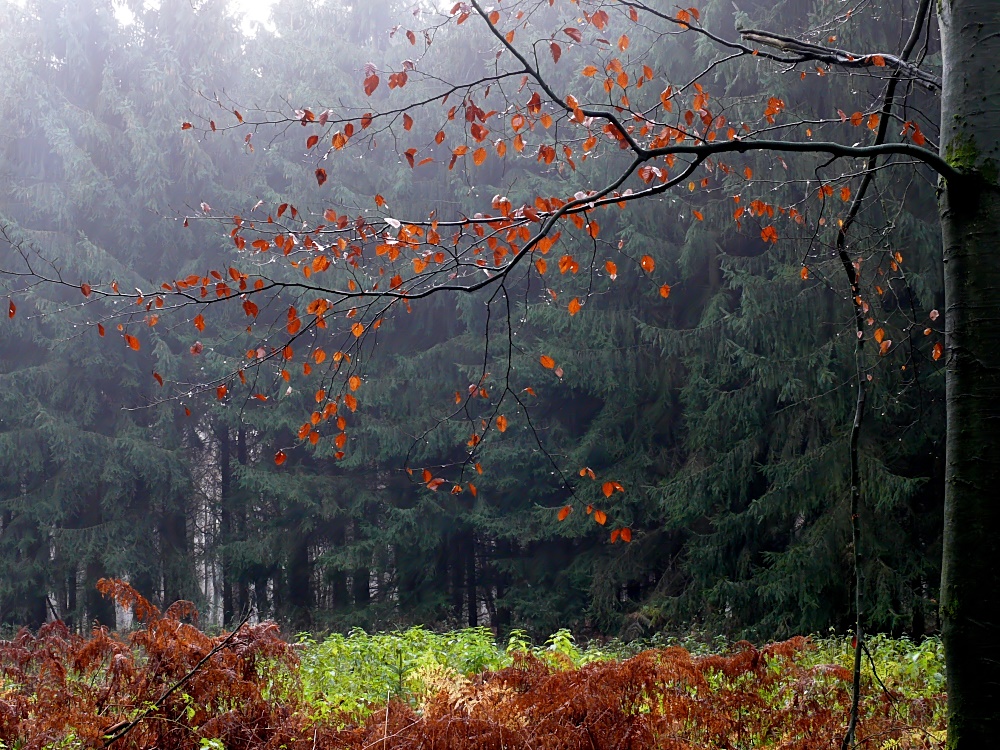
[970, 218]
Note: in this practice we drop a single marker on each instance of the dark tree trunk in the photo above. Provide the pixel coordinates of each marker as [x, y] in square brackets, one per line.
[361, 588]
[471, 598]
[299, 589]
[970, 216]
[338, 578]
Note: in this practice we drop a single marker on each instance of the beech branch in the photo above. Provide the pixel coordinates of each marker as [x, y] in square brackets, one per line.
[808, 52]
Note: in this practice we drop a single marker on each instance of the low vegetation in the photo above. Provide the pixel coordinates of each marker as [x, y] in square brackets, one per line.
[170, 685]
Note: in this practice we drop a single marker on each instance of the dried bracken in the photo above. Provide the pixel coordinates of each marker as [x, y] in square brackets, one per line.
[168, 685]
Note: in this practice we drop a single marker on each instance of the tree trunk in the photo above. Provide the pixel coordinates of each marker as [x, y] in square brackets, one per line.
[970, 217]
[226, 525]
[472, 600]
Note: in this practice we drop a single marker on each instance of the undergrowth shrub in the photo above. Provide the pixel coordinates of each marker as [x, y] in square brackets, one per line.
[417, 689]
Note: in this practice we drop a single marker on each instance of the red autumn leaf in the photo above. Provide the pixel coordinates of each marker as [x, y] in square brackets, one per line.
[158, 378]
[320, 175]
[371, 83]
[556, 51]
[601, 517]
[199, 322]
[280, 458]
[354, 382]
[85, 288]
[574, 306]
[665, 291]
[626, 534]
[132, 342]
[196, 347]
[502, 423]
[647, 263]
[434, 484]
[565, 511]
[312, 141]
[938, 351]
[12, 309]
[220, 392]
[607, 488]
[573, 34]
[547, 362]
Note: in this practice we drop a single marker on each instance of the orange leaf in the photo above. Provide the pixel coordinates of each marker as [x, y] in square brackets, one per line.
[547, 362]
[647, 263]
[502, 423]
[938, 351]
[665, 291]
[435, 483]
[85, 288]
[574, 306]
[565, 511]
[607, 488]
[357, 329]
[220, 392]
[612, 269]
[601, 517]
[354, 382]
[280, 458]
[879, 335]
[100, 328]
[626, 534]
[199, 322]
[479, 156]
[804, 273]
[132, 341]
[12, 310]
[320, 175]
[352, 403]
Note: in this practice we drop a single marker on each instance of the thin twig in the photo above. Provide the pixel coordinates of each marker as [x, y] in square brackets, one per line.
[177, 685]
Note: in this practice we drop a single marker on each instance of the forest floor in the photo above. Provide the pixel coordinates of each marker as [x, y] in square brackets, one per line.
[169, 685]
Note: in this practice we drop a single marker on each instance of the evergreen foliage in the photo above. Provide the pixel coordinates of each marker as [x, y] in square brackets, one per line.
[724, 409]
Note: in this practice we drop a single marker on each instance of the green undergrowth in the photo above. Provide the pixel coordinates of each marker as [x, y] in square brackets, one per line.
[354, 674]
